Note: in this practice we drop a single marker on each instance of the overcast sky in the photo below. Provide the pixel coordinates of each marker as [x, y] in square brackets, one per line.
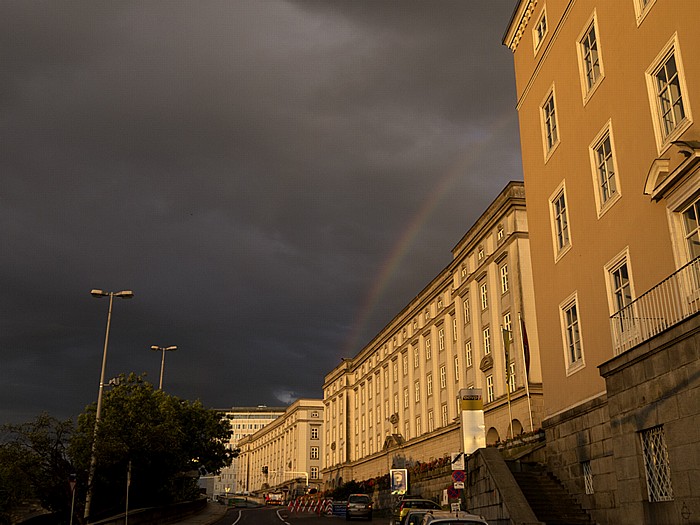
[274, 180]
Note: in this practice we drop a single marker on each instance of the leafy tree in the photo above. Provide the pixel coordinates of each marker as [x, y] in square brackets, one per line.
[34, 465]
[165, 440]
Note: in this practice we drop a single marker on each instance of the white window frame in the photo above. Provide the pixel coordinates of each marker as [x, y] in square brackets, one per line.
[486, 339]
[586, 88]
[419, 426]
[456, 362]
[663, 138]
[484, 294]
[538, 35]
[445, 419]
[508, 325]
[512, 380]
[622, 258]
[642, 8]
[559, 252]
[314, 473]
[454, 327]
[657, 467]
[416, 386]
[406, 398]
[490, 391]
[416, 357]
[431, 421]
[573, 365]
[551, 133]
[428, 348]
[602, 206]
[504, 278]
[441, 339]
[314, 452]
[468, 353]
[429, 383]
[467, 313]
[443, 376]
[404, 360]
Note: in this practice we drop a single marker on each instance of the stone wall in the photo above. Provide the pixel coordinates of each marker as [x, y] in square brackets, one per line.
[657, 384]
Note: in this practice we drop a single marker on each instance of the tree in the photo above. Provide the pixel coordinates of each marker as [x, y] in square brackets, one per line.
[34, 465]
[166, 439]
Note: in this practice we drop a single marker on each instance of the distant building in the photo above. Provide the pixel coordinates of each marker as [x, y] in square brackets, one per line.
[244, 422]
[606, 95]
[396, 400]
[285, 455]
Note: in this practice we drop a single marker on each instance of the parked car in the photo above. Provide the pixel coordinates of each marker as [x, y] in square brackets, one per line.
[444, 517]
[408, 504]
[415, 516]
[358, 506]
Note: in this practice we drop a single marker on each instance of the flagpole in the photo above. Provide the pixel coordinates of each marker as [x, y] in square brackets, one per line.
[505, 348]
[527, 377]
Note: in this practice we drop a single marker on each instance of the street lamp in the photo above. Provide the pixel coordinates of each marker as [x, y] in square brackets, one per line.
[162, 362]
[124, 294]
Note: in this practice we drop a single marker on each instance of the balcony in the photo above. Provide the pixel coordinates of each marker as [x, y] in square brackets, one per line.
[671, 301]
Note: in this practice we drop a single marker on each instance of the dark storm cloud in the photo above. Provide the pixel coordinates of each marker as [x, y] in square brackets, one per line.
[247, 168]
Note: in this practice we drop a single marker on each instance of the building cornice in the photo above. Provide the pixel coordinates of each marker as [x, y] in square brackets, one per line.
[518, 24]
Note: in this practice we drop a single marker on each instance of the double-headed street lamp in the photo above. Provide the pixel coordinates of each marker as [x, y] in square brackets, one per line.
[162, 362]
[124, 294]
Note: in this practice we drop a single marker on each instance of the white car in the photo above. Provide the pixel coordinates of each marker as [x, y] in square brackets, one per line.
[444, 517]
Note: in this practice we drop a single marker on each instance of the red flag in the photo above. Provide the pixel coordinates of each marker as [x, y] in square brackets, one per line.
[526, 349]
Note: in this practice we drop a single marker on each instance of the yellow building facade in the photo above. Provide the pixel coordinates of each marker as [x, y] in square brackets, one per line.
[607, 96]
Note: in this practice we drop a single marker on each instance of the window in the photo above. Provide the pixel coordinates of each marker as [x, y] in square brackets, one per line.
[621, 288]
[587, 476]
[395, 369]
[500, 233]
[456, 361]
[480, 253]
[604, 170]
[415, 357]
[691, 229]
[431, 422]
[641, 8]
[406, 430]
[405, 397]
[416, 386]
[484, 297]
[405, 363]
[589, 58]
[443, 377]
[560, 222]
[490, 395]
[468, 353]
[428, 349]
[549, 124]
[668, 95]
[571, 333]
[419, 429]
[377, 384]
[441, 339]
[511, 377]
[454, 328]
[369, 388]
[540, 30]
[466, 309]
[396, 403]
[314, 432]
[444, 416]
[656, 464]
[508, 326]
[314, 452]
[429, 383]
[486, 333]
[504, 278]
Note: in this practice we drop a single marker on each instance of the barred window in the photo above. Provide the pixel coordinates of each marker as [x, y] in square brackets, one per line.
[587, 476]
[656, 464]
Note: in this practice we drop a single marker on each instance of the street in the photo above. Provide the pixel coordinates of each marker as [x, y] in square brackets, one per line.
[281, 515]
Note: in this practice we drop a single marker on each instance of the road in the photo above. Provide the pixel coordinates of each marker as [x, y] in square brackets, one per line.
[282, 516]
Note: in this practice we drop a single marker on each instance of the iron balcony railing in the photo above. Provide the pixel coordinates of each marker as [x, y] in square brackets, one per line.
[675, 298]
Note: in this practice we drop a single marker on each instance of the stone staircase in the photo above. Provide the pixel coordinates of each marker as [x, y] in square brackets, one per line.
[548, 499]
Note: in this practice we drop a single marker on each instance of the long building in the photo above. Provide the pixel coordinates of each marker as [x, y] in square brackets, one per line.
[606, 96]
[397, 398]
[244, 421]
[286, 454]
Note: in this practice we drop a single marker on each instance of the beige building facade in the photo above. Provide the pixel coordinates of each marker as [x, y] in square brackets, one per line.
[607, 93]
[244, 421]
[286, 454]
[396, 400]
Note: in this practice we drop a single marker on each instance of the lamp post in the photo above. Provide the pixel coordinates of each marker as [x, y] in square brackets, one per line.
[124, 294]
[162, 361]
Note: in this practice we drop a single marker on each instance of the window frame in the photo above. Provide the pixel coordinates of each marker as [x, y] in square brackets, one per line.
[538, 37]
[663, 138]
[572, 365]
[605, 134]
[551, 135]
[641, 9]
[490, 389]
[587, 90]
[486, 339]
[559, 192]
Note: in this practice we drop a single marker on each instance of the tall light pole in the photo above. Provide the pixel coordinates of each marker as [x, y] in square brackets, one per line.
[124, 294]
[162, 361]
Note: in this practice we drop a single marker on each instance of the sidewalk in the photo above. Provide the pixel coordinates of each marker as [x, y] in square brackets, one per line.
[212, 513]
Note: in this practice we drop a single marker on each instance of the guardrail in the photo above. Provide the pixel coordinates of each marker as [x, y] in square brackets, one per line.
[671, 301]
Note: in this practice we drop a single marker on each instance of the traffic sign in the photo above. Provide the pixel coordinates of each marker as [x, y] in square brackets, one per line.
[459, 475]
[452, 492]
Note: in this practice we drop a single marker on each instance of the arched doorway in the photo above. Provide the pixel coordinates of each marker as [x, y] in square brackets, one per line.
[517, 428]
[492, 437]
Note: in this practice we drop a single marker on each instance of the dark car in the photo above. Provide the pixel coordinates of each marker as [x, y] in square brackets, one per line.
[358, 506]
[407, 504]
